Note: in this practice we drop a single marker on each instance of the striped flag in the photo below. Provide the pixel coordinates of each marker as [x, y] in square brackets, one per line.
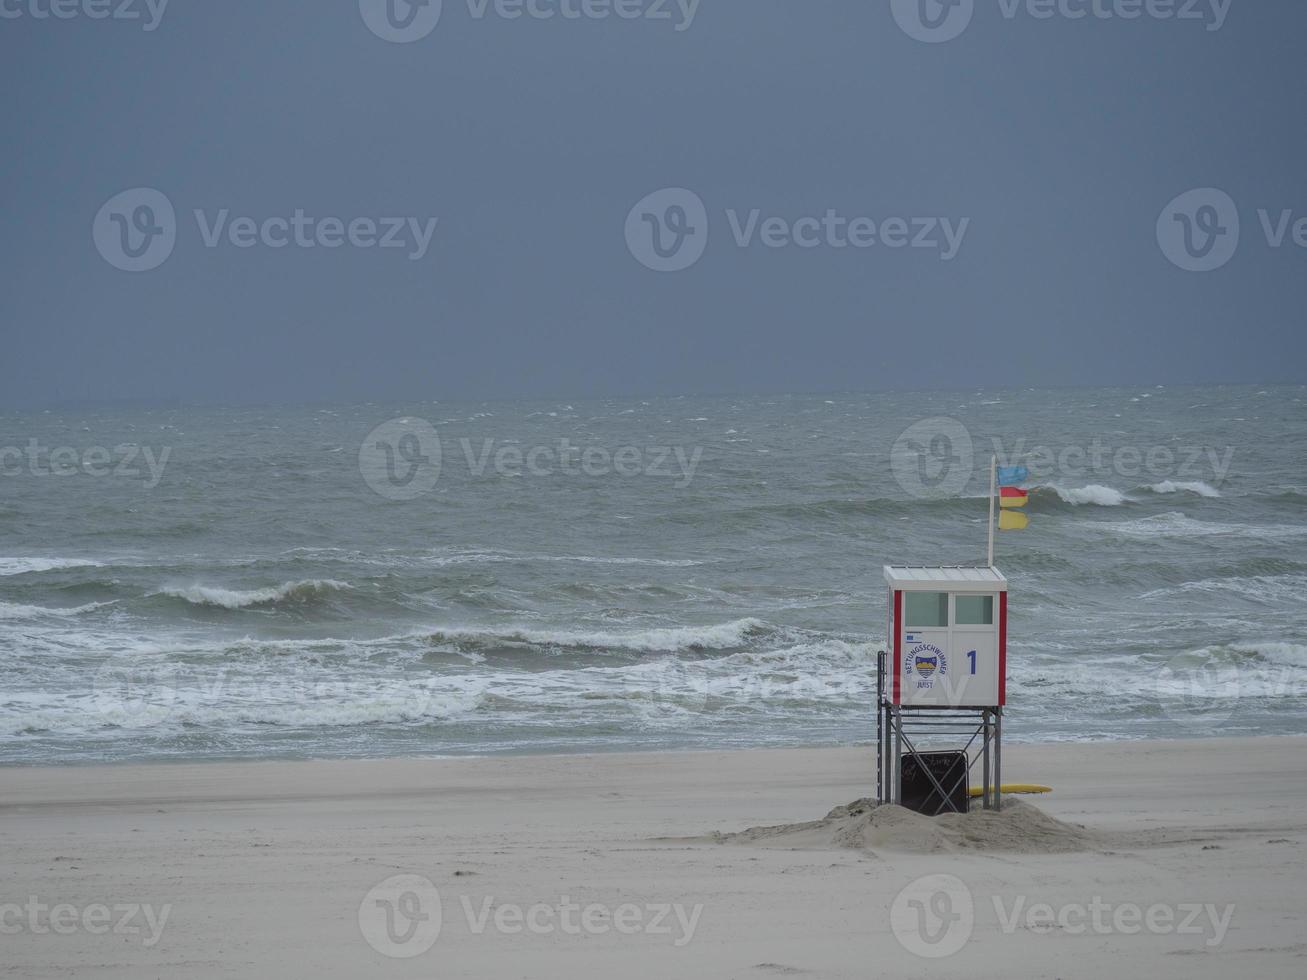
[1003, 482]
[1012, 497]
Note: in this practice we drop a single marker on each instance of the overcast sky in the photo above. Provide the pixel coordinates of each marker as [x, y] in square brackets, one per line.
[1031, 163]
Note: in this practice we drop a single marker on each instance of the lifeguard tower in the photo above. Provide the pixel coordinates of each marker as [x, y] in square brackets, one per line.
[943, 680]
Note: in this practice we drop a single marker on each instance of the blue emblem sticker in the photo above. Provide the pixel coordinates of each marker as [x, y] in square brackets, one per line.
[924, 663]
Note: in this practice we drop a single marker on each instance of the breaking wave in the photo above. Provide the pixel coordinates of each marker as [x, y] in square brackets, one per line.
[1095, 494]
[22, 566]
[17, 610]
[288, 592]
[1196, 487]
[677, 639]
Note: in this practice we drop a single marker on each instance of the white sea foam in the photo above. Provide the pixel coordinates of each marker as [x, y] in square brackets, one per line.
[621, 560]
[1259, 588]
[1220, 679]
[234, 706]
[1174, 524]
[668, 692]
[21, 566]
[802, 675]
[14, 610]
[205, 595]
[393, 559]
[1196, 486]
[1209, 675]
[1290, 654]
[492, 557]
[664, 640]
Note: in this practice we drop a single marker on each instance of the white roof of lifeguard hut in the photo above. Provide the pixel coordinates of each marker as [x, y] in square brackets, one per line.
[945, 579]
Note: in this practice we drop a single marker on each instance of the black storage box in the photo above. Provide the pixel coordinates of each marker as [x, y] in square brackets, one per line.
[920, 794]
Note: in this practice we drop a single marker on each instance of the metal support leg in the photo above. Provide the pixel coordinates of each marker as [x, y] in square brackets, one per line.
[984, 761]
[880, 718]
[896, 713]
[880, 761]
[998, 758]
[887, 755]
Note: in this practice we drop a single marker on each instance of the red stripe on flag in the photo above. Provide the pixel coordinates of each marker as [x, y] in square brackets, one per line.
[1012, 492]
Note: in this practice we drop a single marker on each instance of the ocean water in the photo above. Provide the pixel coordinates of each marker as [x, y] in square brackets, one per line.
[681, 572]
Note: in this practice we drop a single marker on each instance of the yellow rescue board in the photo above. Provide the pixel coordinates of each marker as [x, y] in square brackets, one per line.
[1015, 788]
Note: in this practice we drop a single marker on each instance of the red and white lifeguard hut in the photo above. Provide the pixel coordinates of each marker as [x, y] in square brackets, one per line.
[943, 676]
[948, 636]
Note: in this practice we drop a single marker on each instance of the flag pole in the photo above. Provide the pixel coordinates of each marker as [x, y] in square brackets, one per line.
[993, 464]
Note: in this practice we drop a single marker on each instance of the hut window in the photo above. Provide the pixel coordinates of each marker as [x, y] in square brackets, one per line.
[973, 610]
[925, 608]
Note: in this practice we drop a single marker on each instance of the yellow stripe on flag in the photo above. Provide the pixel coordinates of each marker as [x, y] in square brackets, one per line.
[1010, 520]
[1012, 501]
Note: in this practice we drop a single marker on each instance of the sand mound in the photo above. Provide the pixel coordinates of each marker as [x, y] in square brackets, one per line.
[1020, 828]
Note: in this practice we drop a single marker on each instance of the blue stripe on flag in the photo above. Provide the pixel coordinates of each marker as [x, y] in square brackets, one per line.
[1013, 474]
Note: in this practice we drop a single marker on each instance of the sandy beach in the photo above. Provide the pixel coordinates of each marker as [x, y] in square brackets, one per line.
[1166, 859]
